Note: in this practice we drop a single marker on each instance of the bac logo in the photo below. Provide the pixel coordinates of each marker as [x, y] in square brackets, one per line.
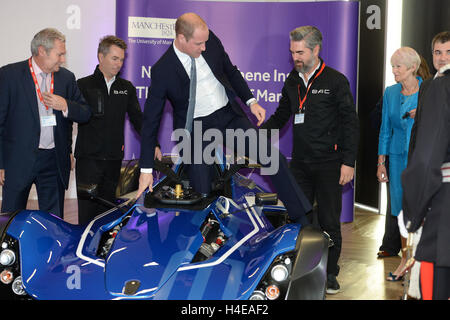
[320, 91]
[121, 92]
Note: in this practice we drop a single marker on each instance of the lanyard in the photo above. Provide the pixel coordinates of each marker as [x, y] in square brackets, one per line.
[38, 90]
[302, 101]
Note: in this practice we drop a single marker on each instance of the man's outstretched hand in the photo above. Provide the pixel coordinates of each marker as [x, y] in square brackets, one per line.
[145, 181]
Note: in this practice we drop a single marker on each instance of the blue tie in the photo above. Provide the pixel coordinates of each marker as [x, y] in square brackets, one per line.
[192, 91]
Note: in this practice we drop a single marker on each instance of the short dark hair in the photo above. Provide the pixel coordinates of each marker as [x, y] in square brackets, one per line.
[441, 37]
[108, 41]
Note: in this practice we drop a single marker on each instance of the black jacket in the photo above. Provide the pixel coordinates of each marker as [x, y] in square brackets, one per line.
[103, 136]
[331, 129]
[426, 197]
[422, 90]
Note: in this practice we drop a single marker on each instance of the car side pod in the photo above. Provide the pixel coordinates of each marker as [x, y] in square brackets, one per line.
[309, 274]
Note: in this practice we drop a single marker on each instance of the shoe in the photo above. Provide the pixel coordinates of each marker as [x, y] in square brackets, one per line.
[393, 278]
[333, 286]
[385, 254]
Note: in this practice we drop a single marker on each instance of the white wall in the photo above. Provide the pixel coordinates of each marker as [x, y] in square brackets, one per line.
[83, 22]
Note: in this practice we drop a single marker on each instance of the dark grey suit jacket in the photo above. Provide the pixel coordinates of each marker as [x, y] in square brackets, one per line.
[170, 82]
[20, 123]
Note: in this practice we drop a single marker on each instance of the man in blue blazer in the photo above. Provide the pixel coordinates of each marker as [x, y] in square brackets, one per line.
[39, 99]
[218, 84]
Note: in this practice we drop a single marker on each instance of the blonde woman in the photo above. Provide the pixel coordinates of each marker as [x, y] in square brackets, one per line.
[399, 109]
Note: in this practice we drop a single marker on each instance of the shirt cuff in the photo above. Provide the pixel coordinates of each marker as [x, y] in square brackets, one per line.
[251, 101]
[146, 170]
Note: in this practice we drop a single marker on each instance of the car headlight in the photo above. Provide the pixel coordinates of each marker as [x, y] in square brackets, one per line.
[6, 276]
[258, 295]
[274, 284]
[272, 292]
[279, 272]
[7, 257]
[17, 286]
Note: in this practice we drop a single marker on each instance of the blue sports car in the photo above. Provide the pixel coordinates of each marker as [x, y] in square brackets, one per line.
[173, 243]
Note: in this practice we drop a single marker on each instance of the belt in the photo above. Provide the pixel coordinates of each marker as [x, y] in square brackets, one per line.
[445, 168]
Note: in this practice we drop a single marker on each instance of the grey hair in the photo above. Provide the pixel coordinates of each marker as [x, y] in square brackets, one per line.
[310, 34]
[46, 38]
[406, 56]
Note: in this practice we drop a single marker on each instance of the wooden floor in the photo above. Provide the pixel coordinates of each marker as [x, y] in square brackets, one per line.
[362, 275]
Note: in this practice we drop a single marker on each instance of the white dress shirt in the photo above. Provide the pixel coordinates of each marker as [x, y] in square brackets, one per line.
[210, 94]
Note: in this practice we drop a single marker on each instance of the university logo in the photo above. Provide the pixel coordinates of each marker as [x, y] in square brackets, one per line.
[143, 27]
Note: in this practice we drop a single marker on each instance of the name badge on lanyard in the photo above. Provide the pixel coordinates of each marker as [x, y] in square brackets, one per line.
[299, 118]
[48, 121]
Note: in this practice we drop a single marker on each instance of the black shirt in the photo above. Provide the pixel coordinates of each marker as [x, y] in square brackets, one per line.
[103, 136]
[331, 129]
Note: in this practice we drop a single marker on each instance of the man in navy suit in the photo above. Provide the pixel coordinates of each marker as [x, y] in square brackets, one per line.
[39, 99]
[218, 84]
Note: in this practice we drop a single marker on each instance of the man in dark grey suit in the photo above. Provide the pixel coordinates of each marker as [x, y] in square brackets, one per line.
[218, 84]
[39, 99]
[440, 49]
[426, 189]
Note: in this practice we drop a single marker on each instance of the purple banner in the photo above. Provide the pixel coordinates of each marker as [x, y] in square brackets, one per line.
[260, 51]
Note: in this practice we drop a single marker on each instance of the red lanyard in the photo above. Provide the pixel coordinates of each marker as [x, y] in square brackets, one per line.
[38, 90]
[302, 101]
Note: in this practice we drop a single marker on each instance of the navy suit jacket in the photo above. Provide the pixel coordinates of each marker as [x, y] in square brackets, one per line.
[171, 82]
[20, 123]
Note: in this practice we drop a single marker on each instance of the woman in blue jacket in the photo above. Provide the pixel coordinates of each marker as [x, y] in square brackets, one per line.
[399, 108]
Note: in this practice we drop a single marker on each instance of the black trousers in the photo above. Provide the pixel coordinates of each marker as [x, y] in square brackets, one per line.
[441, 283]
[105, 174]
[320, 183]
[392, 241]
[201, 174]
[49, 187]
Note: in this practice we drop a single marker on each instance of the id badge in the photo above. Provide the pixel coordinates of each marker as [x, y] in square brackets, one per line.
[48, 121]
[299, 118]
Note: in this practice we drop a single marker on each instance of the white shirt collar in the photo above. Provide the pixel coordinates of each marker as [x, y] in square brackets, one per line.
[109, 83]
[36, 68]
[302, 76]
[444, 68]
[184, 57]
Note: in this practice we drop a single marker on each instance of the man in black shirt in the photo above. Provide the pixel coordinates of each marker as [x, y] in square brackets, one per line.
[325, 134]
[100, 142]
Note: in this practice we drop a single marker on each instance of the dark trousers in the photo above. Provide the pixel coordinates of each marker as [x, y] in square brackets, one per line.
[201, 175]
[105, 174]
[392, 241]
[434, 281]
[441, 283]
[320, 182]
[49, 187]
